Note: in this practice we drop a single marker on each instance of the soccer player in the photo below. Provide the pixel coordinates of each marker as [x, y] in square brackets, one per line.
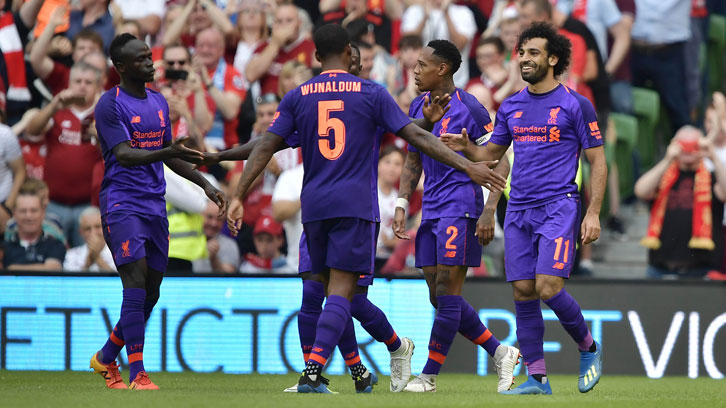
[446, 244]
[135, 134]
[549, 124]
[336, 115]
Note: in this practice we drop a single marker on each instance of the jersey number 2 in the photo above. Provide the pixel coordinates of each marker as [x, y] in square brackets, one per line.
[326, 124]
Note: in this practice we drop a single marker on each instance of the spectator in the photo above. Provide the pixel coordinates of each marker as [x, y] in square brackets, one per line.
[13, 71]
[367, 55]
[95, 16]
[132, 27]
[292, 74]
[224, 84]
[684, 233]
[408, 49]
[286, 209]
[621, 93]
[353, 10]
[72, 152]
[490, 54]
[383, 65]
[12, 172]
[29, 248]
[147, 13]
[51, 225]
[715, 124]
[390, 166]
[252, 30]
[441, 19]
[286, 43]
[509, 32]
[93, 255]
[191, 109]
[660, 32]
[56, 74]
[268, 238]
[223, 255]
[196, 16]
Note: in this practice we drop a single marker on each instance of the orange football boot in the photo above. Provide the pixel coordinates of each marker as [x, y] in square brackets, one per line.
[109, 372]
[142, 382]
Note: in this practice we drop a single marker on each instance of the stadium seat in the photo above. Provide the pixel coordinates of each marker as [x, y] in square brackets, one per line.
[627, 131]
[716, 52]
[646, 104]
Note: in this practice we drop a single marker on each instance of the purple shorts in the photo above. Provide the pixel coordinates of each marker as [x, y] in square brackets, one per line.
[348, 244]
[132, 236]
[541, 240]
[447, 241]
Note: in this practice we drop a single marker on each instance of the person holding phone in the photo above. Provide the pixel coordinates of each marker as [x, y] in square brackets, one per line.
[72, 149]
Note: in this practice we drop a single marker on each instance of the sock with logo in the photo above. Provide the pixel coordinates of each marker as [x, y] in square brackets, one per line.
[307, 319]
[446, 324]
[132, 325]
[331, 325]
[348, 346]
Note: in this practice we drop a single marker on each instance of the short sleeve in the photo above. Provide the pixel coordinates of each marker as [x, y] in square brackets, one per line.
[411, 18]
[501, 135]
[109, 126]
[389, 115]
[167, 130]
[56, 250]
[228, 251]
[283, 123]
[294, 140]
[609, 12]
[585, 124]
[484, 126]
[465, 23]
[414, 110]
[287, 188]
[11, 148]
[235, 83]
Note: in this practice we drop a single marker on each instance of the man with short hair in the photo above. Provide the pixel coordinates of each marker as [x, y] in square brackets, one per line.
[93, 255]
[223, 255]
[93, 15]
[30, 249]
[549, 125]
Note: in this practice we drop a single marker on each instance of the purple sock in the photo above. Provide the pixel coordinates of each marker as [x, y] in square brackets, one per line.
[570, 315]
[530, 334]
[374, 321]
[307, 319]
[113, 345]
[473, 329]
[446, 324]
[348, 346]
[132, 325]
[331, 324]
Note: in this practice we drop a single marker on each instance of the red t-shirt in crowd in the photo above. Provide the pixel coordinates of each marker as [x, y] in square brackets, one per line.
[233, 82]
[301, 50]
[60, 77]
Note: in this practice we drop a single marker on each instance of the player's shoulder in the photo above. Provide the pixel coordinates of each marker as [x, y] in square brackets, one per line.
[418, 101]
[575, 101]
[521, 96]
[472, 104]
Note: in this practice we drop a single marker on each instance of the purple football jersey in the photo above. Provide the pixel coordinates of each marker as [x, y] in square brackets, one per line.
[144, 123]
[449, 192]
[335, 115]
[549, 130]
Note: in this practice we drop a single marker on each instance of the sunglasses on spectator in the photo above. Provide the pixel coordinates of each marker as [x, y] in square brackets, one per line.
[171, 63]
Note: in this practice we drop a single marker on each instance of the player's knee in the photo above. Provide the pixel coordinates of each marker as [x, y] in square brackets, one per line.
[524, 290]
[442, 288]
[546, 290]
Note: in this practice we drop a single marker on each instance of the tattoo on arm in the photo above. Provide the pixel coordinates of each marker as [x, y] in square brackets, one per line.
[411, 175]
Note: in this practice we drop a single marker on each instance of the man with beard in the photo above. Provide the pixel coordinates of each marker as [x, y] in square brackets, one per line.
[549, 124]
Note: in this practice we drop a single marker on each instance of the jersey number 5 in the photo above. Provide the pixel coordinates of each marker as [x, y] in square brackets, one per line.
[326, 124]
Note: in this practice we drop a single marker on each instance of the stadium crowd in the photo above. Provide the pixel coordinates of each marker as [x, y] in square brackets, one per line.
[224, 65]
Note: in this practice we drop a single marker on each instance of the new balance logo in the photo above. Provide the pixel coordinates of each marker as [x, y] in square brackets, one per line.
[558, 265]
[136, 119]
[517, 115]
[450, 254]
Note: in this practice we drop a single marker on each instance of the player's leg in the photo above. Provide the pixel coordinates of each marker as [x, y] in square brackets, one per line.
[310, 309]
[556, 246]
[520, 257]
[348, 346]
[374, 321]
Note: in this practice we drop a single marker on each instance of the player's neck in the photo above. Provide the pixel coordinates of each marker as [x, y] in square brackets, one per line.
[446, 87]
[335, 64]
[547, 84]
[133, 88]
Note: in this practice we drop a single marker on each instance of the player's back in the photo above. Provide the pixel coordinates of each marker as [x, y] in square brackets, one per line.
[547, 131]
[336, 116]
[145, 124]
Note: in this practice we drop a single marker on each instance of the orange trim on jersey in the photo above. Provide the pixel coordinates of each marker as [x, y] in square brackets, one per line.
[483, 338]
[457, 95]
[353, 361]
[522, 90]
[116, 340]
[317, 359]
[566, 88]
[135, 357]
[392, 339]
[334, 71]
[306, 356]
[117, 89]
[436, 356]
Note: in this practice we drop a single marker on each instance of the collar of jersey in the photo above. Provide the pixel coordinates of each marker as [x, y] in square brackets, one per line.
[334, 71]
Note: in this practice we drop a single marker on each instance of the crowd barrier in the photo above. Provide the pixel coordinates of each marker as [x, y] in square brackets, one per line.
[248, 324]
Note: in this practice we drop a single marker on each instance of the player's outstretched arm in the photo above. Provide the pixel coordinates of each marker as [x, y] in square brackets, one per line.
[234, 154]
[590, 229]
[485, 224]
[460, 142]
[480, 173]
[410, 177]
[187, 171]
[258, 159]
[128, 156]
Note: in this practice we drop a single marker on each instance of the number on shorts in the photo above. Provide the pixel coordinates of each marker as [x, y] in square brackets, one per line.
[325, 124]
[454, 232]
[558, 249]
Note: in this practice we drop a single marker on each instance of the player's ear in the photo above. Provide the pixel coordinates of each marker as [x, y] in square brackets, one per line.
[317, 57]
[443, 69]
[553, 60]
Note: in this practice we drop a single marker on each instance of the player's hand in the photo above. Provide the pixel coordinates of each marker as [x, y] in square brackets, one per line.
[456, 142]
[481, 173]
[179, 150]
[210, 159]
[485, 227]
[217, 197]
[234, 216]
[399, 224]
[590, 229]
[436, 109]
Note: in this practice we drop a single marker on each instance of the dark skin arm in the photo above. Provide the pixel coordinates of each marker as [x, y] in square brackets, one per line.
[235, 154]
[128, 156]
[410, 177]
[187, 171]
[485, 224]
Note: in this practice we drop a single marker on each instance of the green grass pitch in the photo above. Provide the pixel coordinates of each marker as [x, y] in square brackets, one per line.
[78, 389]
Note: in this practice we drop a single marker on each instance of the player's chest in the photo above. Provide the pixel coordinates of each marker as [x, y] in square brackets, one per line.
[541, 126]
[147, 127]
[453, 121]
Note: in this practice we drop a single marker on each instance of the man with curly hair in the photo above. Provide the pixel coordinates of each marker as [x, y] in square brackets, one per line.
[549, 125]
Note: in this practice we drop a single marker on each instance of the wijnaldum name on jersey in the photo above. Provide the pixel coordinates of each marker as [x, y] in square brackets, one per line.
[333, 86]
